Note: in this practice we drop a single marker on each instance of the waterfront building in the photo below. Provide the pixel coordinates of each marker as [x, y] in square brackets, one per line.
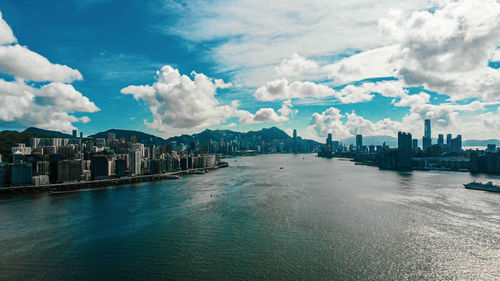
[53, 159]
[120, 168]
[359, 142]
[42, 168]
[135, 162]
[69, 170]
[427, 139]
[99, 167]
[405, 151]
[490, 148]
[415, 144]
[4, 174]
[20, 174]
[440, 139]
[456, 144]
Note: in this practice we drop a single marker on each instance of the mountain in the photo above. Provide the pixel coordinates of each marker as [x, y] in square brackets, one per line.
[46, 133]
[9, 139]
[375, 140]
[266, 134]
[127, 134]
[480, 142]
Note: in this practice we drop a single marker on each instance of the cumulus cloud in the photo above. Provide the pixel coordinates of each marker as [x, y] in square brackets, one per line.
[375, 63]
[47, 106]
[281, 89]
[6, 34]
[296, 66]
[256, 35]
[21, 62]
[264, 115]
[445, 118]
[177, 101]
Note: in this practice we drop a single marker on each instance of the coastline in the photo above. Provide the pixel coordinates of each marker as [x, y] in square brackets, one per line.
[99, 184]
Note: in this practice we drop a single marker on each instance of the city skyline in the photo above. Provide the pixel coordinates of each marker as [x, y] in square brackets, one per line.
[82, 68]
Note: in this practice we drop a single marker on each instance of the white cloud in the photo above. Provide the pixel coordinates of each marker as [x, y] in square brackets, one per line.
[264, 115]
[84, 119]
[23, 63]
[177, 101]
[257, 35]
[379, 62]
[6, 34]
[496, 56]
[296, 66]
[66, 98]
[46, 107]
[281, 90]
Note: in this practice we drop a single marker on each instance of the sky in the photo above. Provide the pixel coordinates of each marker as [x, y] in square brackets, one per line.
[179, 67]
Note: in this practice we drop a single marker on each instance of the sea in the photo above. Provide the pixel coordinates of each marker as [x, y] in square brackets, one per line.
[269, 217]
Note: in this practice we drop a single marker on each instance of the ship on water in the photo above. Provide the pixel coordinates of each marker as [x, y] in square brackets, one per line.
[489, 186]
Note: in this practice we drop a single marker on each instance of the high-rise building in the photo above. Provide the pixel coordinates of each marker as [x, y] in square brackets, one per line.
[427, 129]
[294, 144]
[81, 135]
[99, 167]
[440, 139]
[135, 162]
[69, 170]
[490, 148]
[415, 144]
[405, 151]
[427, 140]
[456, 144]
[74, 134]
[359, 142]
[448, 139]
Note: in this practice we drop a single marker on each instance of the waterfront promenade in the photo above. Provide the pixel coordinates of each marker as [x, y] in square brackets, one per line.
[105, 182]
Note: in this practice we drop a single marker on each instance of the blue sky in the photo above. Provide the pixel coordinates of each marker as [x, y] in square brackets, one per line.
[365, 67]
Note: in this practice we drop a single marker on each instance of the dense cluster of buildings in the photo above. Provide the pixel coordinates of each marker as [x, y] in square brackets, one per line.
[445, 154]
[252, 144]
[63, 160]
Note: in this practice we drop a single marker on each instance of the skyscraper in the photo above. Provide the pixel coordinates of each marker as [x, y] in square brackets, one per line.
[359, 142]
[294, 144]
[440, 139]
[448, 139]
[427, 129]
[74, 134]
[426, 140]
[405, 151]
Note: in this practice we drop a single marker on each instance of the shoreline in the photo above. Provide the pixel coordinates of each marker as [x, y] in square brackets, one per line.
[100, 184]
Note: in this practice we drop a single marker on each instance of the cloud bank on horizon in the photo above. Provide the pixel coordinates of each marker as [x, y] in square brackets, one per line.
[305, 65]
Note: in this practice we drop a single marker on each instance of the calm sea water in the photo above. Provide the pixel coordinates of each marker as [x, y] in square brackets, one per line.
[315, 219]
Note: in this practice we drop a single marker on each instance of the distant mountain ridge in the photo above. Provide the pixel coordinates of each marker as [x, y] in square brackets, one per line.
[48, 133]
[127, 134]
[265, 134]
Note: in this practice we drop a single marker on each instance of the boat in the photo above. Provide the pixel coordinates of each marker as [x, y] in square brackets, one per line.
[489, 186]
